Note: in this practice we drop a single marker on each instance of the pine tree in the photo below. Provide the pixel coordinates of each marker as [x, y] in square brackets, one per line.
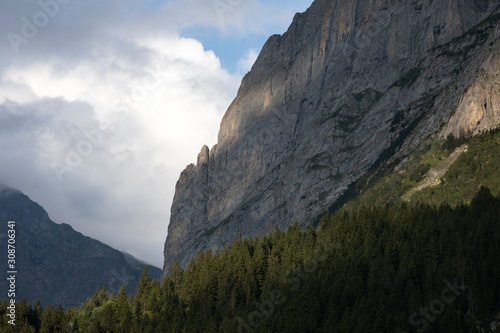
[54, 320]
[141, 298]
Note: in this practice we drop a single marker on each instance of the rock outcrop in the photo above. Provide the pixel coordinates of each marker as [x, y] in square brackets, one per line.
[479, 107]
[348, 86]
[57, 264]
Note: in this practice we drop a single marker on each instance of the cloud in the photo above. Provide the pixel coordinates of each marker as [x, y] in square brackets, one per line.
[99, 139]
[104, 146]
[104, 106]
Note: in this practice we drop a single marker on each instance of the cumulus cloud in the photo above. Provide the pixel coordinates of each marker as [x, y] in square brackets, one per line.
[100, 137]
[110, 143]
[102, 108]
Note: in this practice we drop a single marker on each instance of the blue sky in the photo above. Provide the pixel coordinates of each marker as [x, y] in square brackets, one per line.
[229, 48]
[104, 102]
[231, 45]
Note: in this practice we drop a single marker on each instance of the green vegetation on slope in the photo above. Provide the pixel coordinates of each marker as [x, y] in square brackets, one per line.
[406, 267]
[476, 167]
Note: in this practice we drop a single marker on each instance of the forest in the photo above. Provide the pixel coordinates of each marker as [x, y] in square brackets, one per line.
[406, 267]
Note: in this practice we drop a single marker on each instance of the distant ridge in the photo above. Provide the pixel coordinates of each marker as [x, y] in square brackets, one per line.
[57, 264]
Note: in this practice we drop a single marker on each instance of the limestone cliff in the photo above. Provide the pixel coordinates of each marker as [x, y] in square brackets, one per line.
[479, 107]
[348, 86]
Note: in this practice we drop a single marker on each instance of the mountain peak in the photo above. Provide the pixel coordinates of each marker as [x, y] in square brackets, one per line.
[59, 264]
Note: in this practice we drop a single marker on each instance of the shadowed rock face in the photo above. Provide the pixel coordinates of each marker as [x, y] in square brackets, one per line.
[348, 86]
[57, 264]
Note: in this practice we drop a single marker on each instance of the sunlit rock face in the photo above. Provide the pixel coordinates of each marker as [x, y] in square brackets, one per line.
[479, 108]
[348, 86]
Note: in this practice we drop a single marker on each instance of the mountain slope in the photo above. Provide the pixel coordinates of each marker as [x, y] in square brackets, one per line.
[449, 172]
[349, 86]
[55, 263]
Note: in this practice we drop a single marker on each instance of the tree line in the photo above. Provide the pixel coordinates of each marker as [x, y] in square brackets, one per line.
[399, 268]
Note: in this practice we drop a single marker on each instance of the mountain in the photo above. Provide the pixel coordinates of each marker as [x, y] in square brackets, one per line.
[351, 86]
[57, 264]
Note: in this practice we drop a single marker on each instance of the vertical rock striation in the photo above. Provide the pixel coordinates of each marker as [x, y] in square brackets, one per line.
[349, 85]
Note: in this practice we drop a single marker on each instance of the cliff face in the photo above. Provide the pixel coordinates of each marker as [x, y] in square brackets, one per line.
[479, 107]
[349, 85]
[55, 263]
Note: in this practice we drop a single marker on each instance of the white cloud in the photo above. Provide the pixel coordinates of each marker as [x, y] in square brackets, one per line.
[114, 183]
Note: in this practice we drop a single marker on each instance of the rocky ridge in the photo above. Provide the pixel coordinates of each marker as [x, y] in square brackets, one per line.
[349, 86]
[57, 264]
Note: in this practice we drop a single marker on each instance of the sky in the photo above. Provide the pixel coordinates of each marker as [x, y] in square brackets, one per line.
[104, 102]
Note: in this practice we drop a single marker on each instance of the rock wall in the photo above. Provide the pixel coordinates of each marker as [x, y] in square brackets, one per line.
[349, 85]
[479, 107]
